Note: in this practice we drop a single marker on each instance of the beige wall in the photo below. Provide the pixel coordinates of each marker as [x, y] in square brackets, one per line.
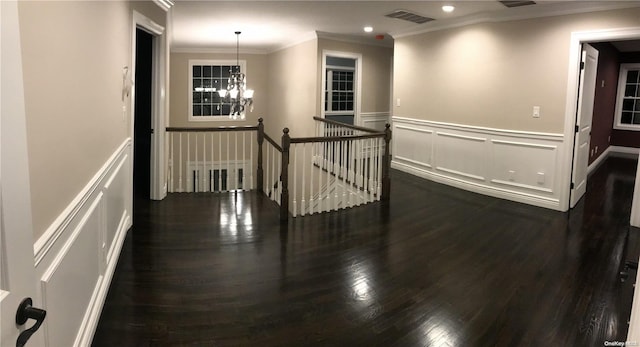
[376, 72]
[492, 74]
[73, 57]
[293, 86]
[256, 71]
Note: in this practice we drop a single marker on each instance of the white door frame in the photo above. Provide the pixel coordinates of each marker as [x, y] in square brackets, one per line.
[577, 38]
[358, 101]
[158, 188]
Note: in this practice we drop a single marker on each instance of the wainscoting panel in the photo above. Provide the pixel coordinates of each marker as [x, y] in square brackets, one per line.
[76, 256]
[451, 148]
[523, 165]
[374, 120]
[69, 282]
[514, 165]
[413, 146]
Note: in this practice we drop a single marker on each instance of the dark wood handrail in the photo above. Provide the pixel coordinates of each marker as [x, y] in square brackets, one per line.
[354, 127]
[214, 129]
[271, 141]
[335, 138]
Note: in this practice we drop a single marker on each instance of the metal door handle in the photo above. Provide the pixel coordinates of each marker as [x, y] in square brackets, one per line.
[27, 311]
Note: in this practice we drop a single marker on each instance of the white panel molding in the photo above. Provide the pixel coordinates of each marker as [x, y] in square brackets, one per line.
[525, 144]
[375, 120]
[44, 243]
[480, 159]
[481, 130]
[520, 185]
[443, 151]
[76, 259]
[62, 282]
[415, 162]
[416, 135]
[427, 131]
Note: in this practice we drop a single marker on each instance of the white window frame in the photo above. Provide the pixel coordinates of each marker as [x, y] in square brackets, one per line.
[622, 80]
[329, 90]
[192, 62]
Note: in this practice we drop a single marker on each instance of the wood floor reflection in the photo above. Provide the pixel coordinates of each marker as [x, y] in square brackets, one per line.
[439, 267]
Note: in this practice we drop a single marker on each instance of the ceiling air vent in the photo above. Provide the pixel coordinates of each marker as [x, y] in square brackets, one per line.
[517, 3]
[409, 16]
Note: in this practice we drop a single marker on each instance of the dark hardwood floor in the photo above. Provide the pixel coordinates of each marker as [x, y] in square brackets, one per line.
[440, 267]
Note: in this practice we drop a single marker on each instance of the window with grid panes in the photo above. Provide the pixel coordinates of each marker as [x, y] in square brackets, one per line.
[628, 104]
[339, 87]
[206, 78]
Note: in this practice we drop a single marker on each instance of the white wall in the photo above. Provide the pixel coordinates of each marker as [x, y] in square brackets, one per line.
[490, 76]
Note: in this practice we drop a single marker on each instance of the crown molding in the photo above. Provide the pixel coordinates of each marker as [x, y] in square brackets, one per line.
[520, 13]
[216, 50]
[352, 39]
[164, 4]
[312, 35]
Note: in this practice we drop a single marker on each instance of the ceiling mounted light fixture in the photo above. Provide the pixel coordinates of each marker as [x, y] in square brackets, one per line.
[368, 29]
[448, 8]
[236, 94]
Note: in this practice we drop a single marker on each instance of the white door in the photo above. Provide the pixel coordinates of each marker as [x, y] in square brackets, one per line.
[586, 93]
[17, 273]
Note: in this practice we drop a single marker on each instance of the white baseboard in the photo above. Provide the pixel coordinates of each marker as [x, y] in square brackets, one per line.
[514, 165]
[613, 150]
[76, 257]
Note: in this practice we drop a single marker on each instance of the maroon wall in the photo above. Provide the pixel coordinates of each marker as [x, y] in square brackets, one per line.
[604, 99]
[627, 138]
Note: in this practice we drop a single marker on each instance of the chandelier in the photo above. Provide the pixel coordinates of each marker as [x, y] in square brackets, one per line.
[236, 94]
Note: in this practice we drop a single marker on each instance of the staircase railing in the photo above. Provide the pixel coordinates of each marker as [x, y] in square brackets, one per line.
[342, 166]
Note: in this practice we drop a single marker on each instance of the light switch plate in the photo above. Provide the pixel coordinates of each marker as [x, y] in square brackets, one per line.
[536, 111]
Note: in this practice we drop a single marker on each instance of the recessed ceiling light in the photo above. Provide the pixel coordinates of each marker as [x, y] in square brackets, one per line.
[368, 29]
[448, 8]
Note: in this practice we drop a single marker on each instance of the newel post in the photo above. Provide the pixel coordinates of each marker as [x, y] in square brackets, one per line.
[386, 165]
[260, 173]
[284, 176]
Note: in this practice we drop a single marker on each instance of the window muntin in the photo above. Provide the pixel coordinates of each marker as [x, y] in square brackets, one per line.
[206, 78]
[628, 102]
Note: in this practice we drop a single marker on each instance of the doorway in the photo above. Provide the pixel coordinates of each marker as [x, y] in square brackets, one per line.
[341, 86]
[142, 116]
[572, 106]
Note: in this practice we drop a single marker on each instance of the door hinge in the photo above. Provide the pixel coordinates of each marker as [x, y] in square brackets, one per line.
[582, 65]
[572, 185]
[577, 128]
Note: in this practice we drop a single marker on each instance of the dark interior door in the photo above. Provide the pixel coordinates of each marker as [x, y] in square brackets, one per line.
[142, 116]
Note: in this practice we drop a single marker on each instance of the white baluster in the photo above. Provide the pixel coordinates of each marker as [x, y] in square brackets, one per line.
[220, 161]
[204, 162]
[189, 174]
[180, 161]
[303, 164]
[244, 161]
[311, 170]
[235, 157]
[251, 160]
[267, 170]
[171, 163]
[213, 157]
[295, 178]
[228, 165]
[343, 164]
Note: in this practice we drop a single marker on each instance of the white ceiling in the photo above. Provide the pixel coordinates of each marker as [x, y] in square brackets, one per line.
[269, 25]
